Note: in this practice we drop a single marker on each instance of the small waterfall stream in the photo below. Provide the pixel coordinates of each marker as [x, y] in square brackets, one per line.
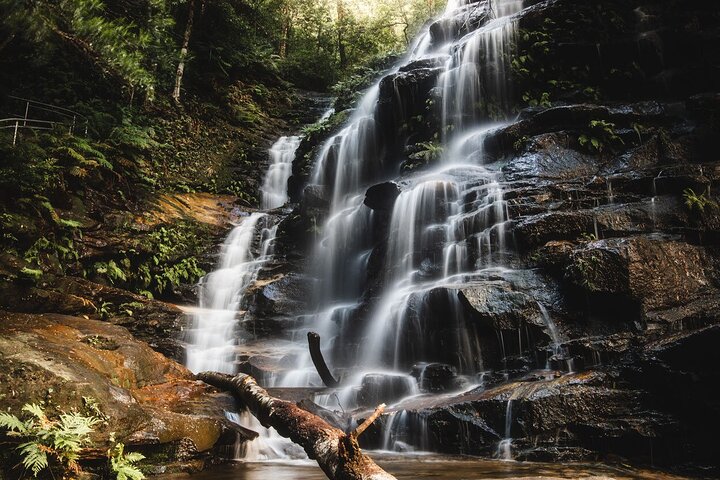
[274, 189]
[212, 337]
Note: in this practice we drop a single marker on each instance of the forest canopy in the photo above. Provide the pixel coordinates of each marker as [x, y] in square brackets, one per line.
[152, 47]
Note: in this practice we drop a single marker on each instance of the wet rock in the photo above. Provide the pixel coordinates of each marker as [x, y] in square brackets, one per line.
[655, 271]
[498, 307]
[382, 196]
[315, 197]
[265, 369]
[402, 101]
[434, 377]
[432, 62]
[377, 388]
[585, 407]
[470, 18]
[157, 323]
[272, 304]
[150, 401]
[548, 156]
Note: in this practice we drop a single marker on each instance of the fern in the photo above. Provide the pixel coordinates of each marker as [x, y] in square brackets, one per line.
[34, 457]
[43, 438]
[12, 423]
[698, 201]
[123, 464]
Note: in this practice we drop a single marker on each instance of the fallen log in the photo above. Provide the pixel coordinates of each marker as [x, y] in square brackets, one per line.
[319, 361]
[338, 454]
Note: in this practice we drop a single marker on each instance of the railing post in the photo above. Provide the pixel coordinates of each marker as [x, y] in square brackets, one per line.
[27, 109]
[17, 124]
[72, 127]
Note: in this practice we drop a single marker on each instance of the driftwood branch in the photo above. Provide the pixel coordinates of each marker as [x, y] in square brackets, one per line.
[319, 361]
[337, 454]
[368, 421]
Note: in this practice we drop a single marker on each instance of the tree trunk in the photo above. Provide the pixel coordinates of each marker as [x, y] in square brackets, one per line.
[338, 454]
[184, 51]
[340, 32]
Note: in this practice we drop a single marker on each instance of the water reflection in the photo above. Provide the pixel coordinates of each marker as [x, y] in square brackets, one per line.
[429, 467]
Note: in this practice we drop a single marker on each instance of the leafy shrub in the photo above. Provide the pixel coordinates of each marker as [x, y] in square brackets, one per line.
[601, 136]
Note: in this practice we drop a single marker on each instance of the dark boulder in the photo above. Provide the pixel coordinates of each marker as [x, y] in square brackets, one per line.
[382, 196]
[435, 377]
[377, 388]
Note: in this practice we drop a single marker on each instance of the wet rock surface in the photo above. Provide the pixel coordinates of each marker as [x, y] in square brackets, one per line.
[605, 296]
[151, 403]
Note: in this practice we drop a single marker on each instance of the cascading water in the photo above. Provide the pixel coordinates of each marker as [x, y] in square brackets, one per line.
[445, 225]
[274, 189]
[446, 228]
[212, 338]
[214, 335]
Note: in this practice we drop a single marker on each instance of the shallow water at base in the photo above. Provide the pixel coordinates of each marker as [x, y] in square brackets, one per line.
[429, 467]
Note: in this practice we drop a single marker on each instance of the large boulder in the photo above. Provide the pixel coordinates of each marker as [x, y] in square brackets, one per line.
[151, 403]
[654, 271]
[157, 323]
[382, 196]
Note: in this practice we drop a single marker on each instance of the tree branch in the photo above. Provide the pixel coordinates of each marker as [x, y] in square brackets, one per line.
[319, 361]
[337, 454]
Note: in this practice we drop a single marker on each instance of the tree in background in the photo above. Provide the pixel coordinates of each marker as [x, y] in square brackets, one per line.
[149, 47]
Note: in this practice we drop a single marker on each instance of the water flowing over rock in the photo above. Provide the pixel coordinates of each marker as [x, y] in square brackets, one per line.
[513, 285]
[274, 189]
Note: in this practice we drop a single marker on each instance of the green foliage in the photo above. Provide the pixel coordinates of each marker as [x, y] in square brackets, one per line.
[110, 270]
[582, 270]
[698, 202]
[545, 74]
[32, 273]
[43, 439]
[134, 138]
[114, 45]
[601, 136]
[123, 465]
[429, 152]
[160, 261]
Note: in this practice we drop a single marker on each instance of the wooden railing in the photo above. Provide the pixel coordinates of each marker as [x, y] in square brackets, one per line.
[43, 116]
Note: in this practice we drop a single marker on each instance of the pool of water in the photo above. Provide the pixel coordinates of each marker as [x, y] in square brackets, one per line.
[429, 467]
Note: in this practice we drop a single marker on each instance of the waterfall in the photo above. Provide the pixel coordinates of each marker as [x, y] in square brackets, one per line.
[504, 450]
[269, 445]
[446, 225]
[213, 336]
[446, 228]
[274, 189]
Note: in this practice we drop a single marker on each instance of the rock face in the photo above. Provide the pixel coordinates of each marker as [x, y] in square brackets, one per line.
[157, 323]
[151, 403]
[590, 299]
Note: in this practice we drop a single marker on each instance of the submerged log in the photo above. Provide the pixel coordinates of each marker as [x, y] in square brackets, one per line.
[338, 454]
[319, 361]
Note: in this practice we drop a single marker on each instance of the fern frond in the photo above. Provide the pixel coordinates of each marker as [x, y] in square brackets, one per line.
[12, 423]
[36, 411]
[34, 457]
[134, 457]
